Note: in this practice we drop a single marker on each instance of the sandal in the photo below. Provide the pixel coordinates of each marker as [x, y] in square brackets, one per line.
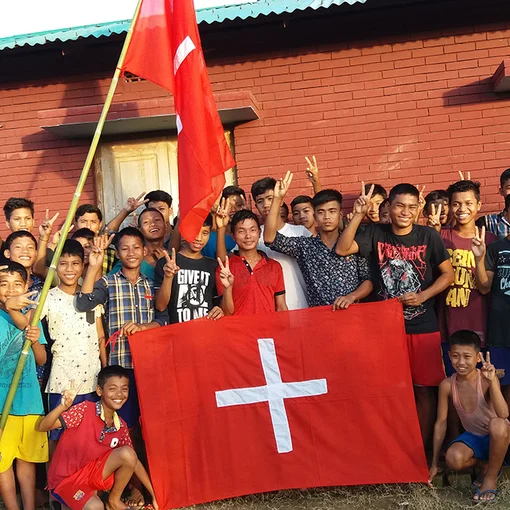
[479, 493]
[478, 481]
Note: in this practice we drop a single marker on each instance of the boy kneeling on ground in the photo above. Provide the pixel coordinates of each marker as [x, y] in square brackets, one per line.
[483, 411]
[95, 452]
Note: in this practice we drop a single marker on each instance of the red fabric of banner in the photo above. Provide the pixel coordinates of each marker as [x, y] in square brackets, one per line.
[362, 430]
[165, 48]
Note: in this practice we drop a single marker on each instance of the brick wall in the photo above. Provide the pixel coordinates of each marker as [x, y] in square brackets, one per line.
[416, 109]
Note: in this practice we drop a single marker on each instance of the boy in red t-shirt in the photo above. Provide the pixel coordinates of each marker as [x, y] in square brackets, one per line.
[95, 452]
[249, 281]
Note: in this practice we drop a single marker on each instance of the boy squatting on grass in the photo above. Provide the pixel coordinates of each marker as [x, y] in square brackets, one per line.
[95, 452]
[477, 398]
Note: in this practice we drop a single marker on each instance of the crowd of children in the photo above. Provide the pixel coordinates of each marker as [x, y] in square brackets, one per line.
[450, 271]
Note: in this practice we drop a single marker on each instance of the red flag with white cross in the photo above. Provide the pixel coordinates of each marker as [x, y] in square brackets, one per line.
[165, 48]
[295, 399]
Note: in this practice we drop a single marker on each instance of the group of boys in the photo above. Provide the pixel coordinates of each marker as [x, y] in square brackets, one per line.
[441, 272]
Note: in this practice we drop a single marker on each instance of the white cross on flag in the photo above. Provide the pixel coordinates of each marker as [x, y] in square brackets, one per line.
[285, 400]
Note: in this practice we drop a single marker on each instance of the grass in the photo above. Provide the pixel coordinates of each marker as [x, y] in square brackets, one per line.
[376, 497]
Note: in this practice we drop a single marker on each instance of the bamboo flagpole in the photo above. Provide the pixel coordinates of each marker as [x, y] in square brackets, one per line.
[67, 225]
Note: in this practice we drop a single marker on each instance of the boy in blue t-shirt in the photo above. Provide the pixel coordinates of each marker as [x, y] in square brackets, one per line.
[20, 439]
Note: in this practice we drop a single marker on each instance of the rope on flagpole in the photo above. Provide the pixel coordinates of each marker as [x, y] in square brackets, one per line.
[67, 225]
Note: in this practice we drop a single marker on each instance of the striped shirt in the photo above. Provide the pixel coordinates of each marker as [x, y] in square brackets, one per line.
[123, 302]
[496, 224]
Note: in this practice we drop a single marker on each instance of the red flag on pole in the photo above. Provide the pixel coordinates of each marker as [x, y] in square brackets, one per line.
[294, 399]
[165, 49]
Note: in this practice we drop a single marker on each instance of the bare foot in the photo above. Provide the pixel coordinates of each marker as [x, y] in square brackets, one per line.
[116, 504]
[135, 498]
[481, 475]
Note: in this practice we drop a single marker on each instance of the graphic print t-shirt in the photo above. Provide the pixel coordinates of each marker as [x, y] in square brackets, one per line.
[462, 305]
[497, 260]
[404, 264]
[193, 288]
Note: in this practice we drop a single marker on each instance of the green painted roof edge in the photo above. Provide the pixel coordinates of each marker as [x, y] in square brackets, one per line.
[208, 15]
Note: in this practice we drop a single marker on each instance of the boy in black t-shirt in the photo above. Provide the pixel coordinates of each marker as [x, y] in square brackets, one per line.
[186, 283]
[406, 258]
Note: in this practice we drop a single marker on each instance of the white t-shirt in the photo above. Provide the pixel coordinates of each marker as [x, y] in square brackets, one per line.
[295, 288]
[75, 346]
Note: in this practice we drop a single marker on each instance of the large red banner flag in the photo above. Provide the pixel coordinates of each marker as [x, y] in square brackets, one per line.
[165, 48]
[295, 399]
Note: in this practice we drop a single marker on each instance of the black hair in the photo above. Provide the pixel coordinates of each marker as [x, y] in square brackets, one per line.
[14, 203]
[286, 209]
[158, 196]
[301, 199]
[466, 337]
[16, 235]
[148, 209]
[261, 186]
[243, 215]
[84, 233]
[505, 176]
[384, 203]
[87, 209]
[507, 202]
[111, 371]
[433, 196]
[73, 247]
[462, 187]
[14, 268]
[128, 232]
[378, 190]
[327, 195]
[208, 221]
[403, 189]
[230, 191]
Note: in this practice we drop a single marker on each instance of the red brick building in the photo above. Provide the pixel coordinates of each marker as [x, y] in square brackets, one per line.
[384, 91]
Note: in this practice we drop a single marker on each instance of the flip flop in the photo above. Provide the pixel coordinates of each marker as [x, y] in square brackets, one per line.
[479, 493]
[478, 481]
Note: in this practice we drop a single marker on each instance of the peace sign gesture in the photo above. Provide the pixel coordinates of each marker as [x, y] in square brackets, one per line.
[478, 243]
[133, 203]
[69, 394]
[170, 268]
[362, 203]
[222, 216]
[226, 277]
[461, 176]
[46, 226]
[282, 185]
[104, 240]
[434, 219]
[488, 369]
[312, 171]
[421, 197]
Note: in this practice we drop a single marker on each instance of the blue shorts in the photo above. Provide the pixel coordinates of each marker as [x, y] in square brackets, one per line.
[130, 411]
[479, 444]
[54, 401]
[500, 358]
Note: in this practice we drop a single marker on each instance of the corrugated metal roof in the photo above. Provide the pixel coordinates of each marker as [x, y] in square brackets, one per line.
[208, 15]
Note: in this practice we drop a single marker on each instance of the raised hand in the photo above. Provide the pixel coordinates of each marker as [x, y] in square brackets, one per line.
[21, 301]
[32, 333]
[69, 394]
[55, 238]
[434, 219]
[362, 203]
[222, 216]
[478, 243]
[312, 171]
[226, 277]
[96, 256]
[421, 198]
[461, 176]
[170, 269]
[488, 369]
[282, 185]
[103, 241]
[133, 203]
[158, 253]
[46, 226]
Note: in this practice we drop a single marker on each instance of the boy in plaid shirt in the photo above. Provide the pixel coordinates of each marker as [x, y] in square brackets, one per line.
[128, 297]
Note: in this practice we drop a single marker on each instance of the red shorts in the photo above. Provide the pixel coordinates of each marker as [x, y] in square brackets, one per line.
[426, 359]
[77, 489]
